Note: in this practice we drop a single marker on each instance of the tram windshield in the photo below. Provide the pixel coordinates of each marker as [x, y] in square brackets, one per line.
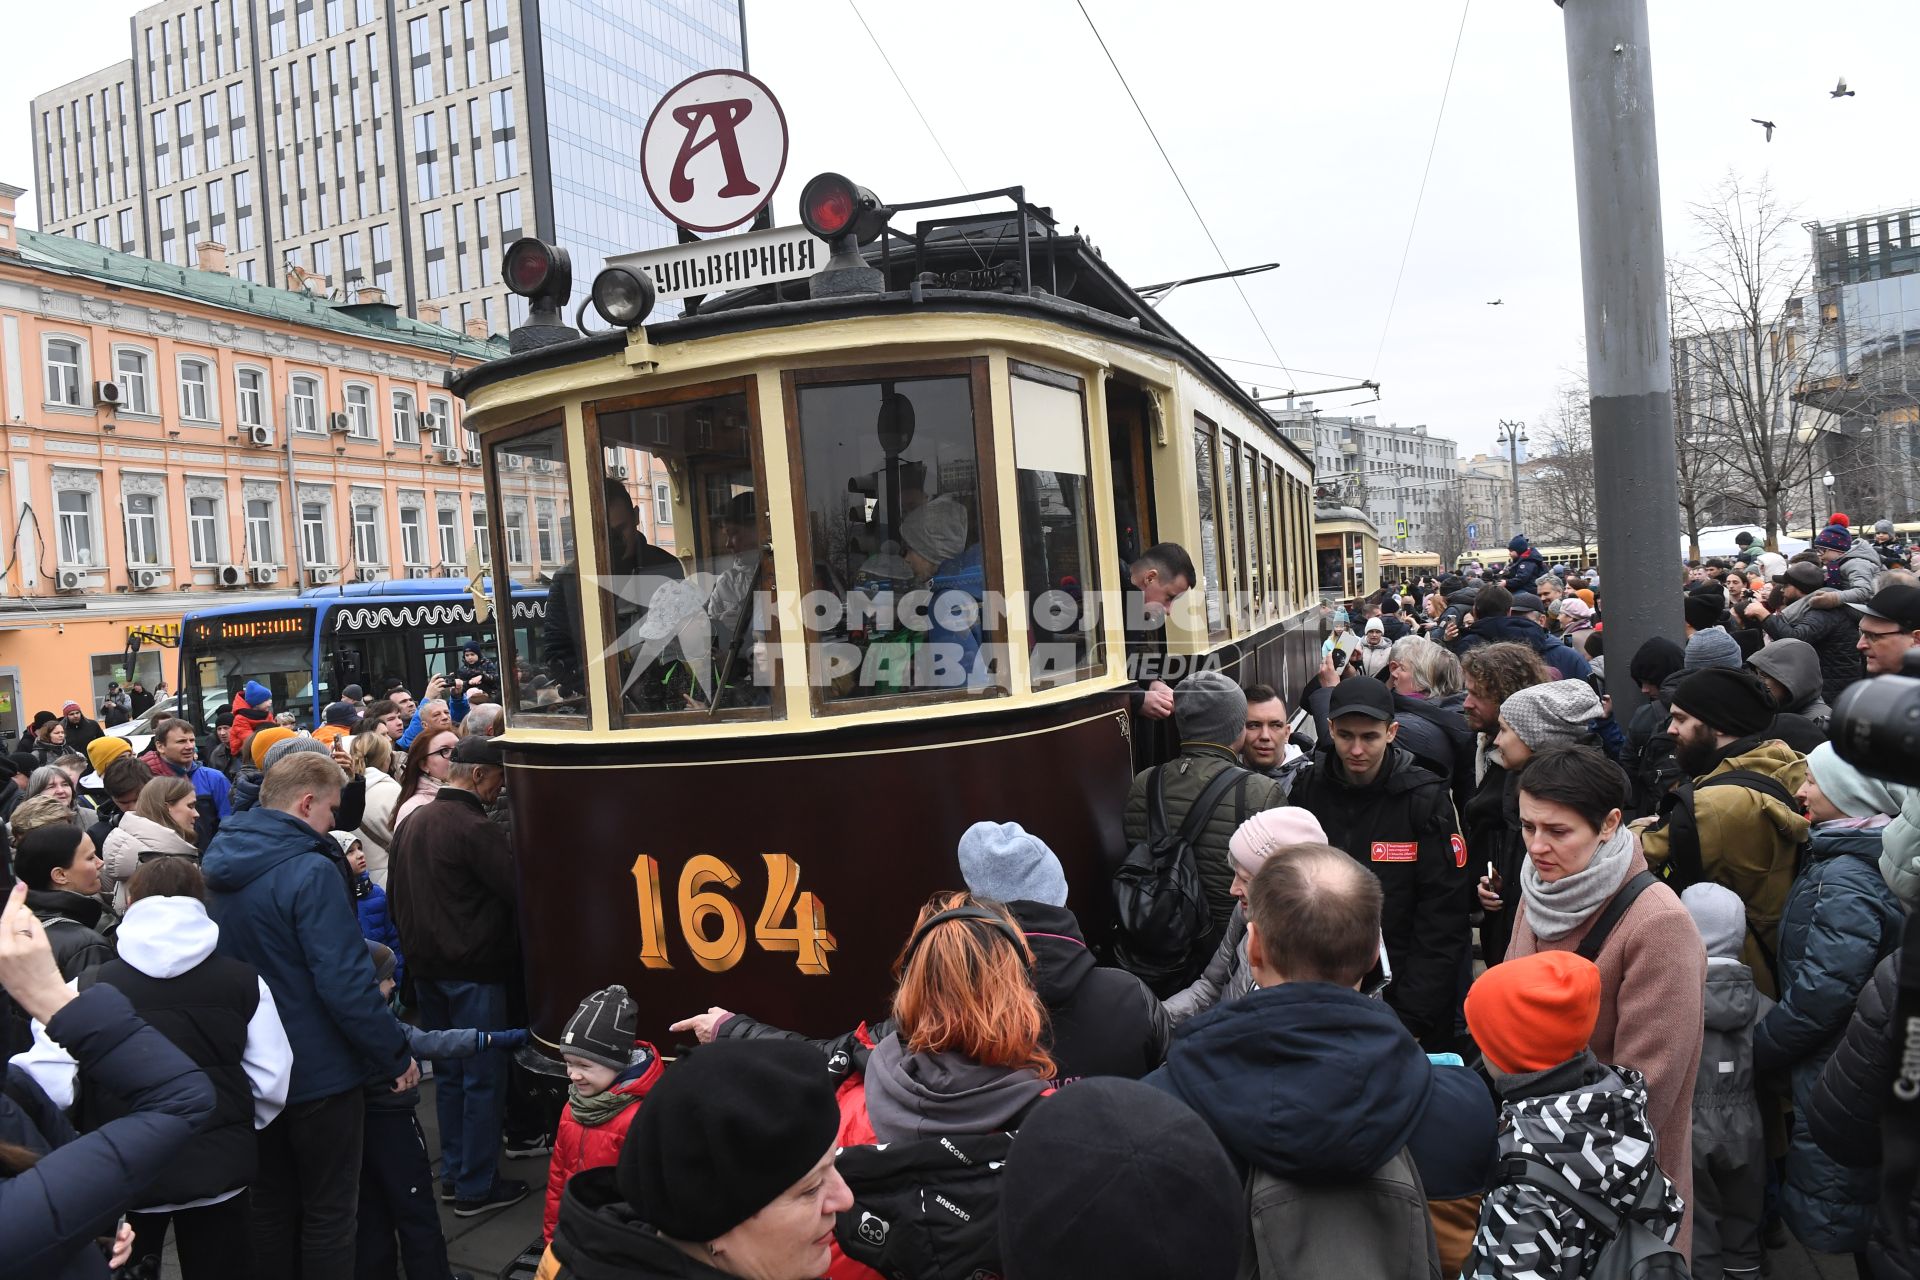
[893, 509]
[688, 629]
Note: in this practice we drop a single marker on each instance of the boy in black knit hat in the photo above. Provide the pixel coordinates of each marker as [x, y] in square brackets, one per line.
[610, 1072]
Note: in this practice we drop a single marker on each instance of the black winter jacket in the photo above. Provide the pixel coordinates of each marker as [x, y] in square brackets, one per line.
[72, 923]
[1845, 1108]
[1100, 1021]
[51, 1214]
[452, 892]
[1403, 827]
[598, 1237]
[1491, 824]
[1833, 633]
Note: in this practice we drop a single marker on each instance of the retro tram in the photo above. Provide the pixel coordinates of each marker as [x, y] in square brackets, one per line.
[734, 779]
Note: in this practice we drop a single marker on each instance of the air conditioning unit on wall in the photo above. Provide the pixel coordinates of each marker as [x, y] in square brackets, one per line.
[231, 575]
[69, 580]
[263, 575]
[260, 437]
[144, 579]
[108, 392]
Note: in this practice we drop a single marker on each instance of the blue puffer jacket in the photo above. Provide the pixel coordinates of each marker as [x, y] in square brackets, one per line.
[376, 924]
[274, 892]
[1841, 919]
[50, 1215]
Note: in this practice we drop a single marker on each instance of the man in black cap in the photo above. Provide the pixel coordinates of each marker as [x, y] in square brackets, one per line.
[1398, 819]
[1833, 633]
[1738, 825]
[1889, 626]
[453, 898]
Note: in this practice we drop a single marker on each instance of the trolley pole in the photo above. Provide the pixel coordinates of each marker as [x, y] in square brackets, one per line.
[1616, 171]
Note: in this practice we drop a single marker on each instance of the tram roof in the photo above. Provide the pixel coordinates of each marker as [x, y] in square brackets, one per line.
[1088, 295]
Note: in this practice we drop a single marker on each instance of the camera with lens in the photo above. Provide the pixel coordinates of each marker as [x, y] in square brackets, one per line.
[1876, 724]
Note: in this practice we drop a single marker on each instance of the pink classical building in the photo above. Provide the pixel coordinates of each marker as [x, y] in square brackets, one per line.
[176, 437]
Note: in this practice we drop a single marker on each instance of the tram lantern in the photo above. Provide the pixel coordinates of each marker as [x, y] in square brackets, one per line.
[622, 296]
[832, 206]
[542, 274]
[845, 215]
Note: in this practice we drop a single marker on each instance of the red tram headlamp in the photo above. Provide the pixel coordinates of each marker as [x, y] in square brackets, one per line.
[622, 296]
[832, 206]
[542, 274]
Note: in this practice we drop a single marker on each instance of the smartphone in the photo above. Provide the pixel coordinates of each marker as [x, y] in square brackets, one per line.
[1339, 658]
[1494, 882]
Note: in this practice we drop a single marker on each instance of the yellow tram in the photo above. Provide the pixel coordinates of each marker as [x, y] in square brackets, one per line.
[733, 778]
[1346, 553]
[1405, 566]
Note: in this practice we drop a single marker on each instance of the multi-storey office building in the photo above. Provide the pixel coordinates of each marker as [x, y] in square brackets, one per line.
[390, 144]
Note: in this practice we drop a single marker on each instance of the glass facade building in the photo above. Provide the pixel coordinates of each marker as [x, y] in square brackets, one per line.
[603, 73]
[396, 147]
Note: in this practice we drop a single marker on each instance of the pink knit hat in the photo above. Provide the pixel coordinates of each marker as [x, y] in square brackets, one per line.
[1269, 831]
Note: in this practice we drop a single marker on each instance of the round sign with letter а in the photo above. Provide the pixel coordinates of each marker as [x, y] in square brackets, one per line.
[714, 150]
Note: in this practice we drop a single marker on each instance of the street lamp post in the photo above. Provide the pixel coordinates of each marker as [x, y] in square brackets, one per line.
[1827, 481]
[1513, 435]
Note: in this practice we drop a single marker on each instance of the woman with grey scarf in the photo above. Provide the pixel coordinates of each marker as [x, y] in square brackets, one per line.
[1581, 858]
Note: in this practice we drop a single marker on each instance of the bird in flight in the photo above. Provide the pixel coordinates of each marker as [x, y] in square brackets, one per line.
[1840, 90]
[1498, 302]
[1764, 124]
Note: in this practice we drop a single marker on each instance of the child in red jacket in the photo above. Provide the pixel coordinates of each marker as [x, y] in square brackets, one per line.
[611, 1072]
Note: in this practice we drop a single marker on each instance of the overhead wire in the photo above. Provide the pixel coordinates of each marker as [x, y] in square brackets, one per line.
[1414, 223]
[1182, 184]
[924, 122]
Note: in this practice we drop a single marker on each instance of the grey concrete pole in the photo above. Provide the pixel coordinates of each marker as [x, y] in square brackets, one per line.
[1616, 170]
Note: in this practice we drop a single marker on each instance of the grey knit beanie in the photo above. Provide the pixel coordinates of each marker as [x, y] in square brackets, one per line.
[603, 1029]
[1003, 861]
[1557, 712]
[1209, 707]
[1712, 647]
[292, 746]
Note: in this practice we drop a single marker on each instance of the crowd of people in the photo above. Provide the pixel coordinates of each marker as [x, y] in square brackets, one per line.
[1431, 967]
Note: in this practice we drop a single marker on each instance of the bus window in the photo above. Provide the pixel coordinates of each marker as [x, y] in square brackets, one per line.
[544, 687]
[222, 652]
[1056, 525]
[895, 536]
[688, 629]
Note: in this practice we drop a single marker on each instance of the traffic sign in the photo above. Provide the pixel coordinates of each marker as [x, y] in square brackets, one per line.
[714, 150]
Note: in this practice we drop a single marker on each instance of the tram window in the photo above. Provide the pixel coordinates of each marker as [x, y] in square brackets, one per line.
[1057, 548]
[1269, 512]
[1234, 536]
[1254, 560]
[544, 685]
[689, 628]
[1204, 443]
[895, 537]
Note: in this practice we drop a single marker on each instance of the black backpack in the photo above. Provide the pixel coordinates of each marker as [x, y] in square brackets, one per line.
[1631, 1250]
[1160, 906]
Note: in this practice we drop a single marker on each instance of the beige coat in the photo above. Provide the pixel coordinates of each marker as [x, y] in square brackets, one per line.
[121, 851]
[1653, 982]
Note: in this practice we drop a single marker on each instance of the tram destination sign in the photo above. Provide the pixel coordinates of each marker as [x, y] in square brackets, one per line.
[713, 150]
[730, 262]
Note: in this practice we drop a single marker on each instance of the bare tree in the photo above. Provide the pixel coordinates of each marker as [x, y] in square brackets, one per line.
[1745, 351]
[1447, 533]
[1561, 506]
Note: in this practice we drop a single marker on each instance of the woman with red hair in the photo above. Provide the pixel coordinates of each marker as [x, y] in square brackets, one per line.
[928, 1115]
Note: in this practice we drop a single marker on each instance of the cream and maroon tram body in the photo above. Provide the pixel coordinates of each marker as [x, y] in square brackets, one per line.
[733, 776]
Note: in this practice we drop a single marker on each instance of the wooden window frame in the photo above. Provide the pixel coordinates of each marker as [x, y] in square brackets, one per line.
[748, 386]
[501, 573]
[980, 391]
[1096, 662]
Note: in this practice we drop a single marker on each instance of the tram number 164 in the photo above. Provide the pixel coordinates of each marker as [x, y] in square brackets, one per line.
[701, 907]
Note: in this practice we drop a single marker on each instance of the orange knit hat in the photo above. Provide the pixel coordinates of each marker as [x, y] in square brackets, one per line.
[1534, 1012]
[263, 740]
[1586, 595]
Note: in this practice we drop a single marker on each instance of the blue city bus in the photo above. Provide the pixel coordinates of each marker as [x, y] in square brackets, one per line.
[307, 648]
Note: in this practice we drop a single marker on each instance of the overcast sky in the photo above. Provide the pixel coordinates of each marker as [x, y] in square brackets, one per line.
[1301, 130]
